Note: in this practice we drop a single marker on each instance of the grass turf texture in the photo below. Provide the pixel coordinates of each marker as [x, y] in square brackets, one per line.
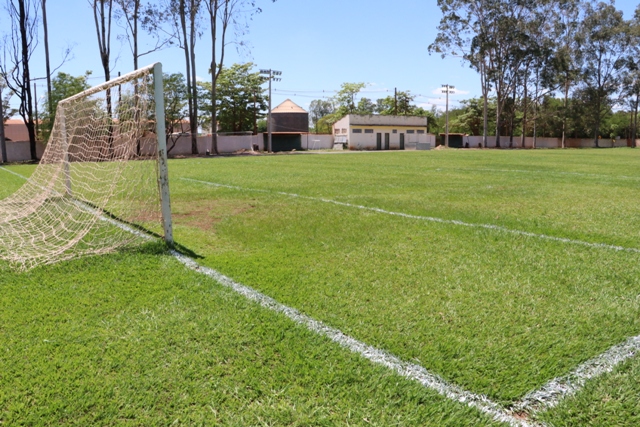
[136, 339]
[496, 313]
[493, 312]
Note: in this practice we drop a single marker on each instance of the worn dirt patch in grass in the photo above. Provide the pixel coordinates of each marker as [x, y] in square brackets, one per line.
[205, 213]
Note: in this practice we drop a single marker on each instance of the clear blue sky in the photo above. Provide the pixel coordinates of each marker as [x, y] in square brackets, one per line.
[317, 44]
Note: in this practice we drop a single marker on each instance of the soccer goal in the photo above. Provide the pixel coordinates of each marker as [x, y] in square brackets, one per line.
[102, 182]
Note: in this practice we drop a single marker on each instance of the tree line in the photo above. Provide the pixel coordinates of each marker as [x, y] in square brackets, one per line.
[566, 66]
[178, 23]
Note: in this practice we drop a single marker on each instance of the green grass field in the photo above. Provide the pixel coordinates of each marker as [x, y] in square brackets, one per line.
[135, 338]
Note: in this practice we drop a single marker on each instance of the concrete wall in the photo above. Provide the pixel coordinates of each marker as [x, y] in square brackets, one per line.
[475, 141]
[312, 141]
[18, 151]
[233, 143]
[368, 141]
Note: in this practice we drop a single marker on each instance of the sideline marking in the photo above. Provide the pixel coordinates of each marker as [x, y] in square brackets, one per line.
[375, 355]
[552, 393]
[428, 218]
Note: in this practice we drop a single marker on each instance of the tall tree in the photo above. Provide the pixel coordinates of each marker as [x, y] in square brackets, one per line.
[63, 86]
[15, 70]
[45, 31]
[401, 104]
[185, 24]
[459, 30]
[631, 76]
[318, 109]
[239, 101]
[102, 15]
[346, 98]
[135, 15]
[220, 13]
[567, 57]
[606, 39]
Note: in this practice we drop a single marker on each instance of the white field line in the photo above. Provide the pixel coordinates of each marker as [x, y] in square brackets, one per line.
[428, 218]
[375, 355]
[557, 389]
[13, 173]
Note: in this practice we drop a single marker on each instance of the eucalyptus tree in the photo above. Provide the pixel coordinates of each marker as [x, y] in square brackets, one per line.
[15, 69]
[102, 16]
[631, 75]
[135, 15]
[490, 36]
[458, 35]
[185, 21]
[567, 57]
[604, 47]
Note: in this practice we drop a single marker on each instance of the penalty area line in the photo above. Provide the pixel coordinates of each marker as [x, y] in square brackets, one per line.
[375, 355]
[428, 218]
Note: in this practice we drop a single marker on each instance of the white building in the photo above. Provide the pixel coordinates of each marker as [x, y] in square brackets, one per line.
[377, 132]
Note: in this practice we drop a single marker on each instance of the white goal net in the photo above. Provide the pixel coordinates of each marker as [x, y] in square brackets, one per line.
[101, 183]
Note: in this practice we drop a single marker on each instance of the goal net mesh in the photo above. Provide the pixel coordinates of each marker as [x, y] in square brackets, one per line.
[96, 185]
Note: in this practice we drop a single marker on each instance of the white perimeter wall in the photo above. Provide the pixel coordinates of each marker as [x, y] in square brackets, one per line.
[368, 141]
[233, 143]
[18, 151]
[475, 141]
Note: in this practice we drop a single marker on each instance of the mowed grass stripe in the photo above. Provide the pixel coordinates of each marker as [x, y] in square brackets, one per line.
[426, 218]
[377, 356]
[496, 316]
[136, 338]
[577, 207]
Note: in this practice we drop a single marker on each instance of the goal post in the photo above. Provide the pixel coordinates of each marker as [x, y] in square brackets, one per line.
[163, 169]
[102, 182]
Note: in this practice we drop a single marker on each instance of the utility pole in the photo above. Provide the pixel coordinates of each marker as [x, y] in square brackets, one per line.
[270, 73]
[446, 88]
[395, 101]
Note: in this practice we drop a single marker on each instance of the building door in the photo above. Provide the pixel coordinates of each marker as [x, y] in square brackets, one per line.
[379, 141]
[402, 141]
[386, 141]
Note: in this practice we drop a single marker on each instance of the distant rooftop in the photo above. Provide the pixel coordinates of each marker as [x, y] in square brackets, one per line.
[384, 120]
[288, 106]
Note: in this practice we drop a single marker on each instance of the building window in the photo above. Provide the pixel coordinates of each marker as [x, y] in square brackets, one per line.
[337, 131]
[344, 131]
[411, 131]
[421, 131]
[368, 131]
[357, 131]
[395, 131]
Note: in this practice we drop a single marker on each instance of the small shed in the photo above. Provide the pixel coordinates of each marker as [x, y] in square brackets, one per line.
[289, 122]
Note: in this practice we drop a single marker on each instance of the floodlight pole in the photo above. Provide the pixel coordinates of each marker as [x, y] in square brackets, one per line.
[446, 88]
[270, 73]
[163, 170]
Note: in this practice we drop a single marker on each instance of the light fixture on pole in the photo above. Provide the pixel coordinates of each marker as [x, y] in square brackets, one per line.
[447, 89]
[270, 76]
